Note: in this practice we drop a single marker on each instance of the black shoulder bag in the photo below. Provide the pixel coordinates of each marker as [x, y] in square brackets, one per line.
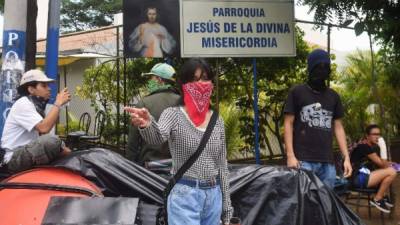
[162, 218]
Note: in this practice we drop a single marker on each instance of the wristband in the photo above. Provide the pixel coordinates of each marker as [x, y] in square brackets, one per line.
[58, 106]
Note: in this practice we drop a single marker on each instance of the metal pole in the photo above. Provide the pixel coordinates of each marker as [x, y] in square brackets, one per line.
[125, 103]
[53, 34]
[329, 38]
[31, 30]
[13, 57]
[324, 24]
[118, 81]
[256, 116]
[217, 85]
[58, 81]
[66, 107]
[125, 84]
[329, 47]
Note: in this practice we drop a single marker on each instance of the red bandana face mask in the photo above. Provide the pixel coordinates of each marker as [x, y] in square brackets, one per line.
[196, 96]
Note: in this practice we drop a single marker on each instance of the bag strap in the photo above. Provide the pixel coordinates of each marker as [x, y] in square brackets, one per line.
[193, 157]
[2, 154]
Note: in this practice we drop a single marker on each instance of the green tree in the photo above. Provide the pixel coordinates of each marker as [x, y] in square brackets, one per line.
[381, 22]
[275, 77]
[360, 100]
[231, 114]
[378, 18]
[2, 6]
[100, 86]
[357, 94]
[391, 80]
[80, 15]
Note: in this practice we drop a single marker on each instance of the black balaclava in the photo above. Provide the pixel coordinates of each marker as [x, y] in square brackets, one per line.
[40, 104]
[319, 69]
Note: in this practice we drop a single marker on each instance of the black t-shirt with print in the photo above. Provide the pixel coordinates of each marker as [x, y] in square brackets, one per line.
[359, 156]
[314, 115]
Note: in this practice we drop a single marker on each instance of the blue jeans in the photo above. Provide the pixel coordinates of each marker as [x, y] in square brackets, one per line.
[326, 172]
[194, 206]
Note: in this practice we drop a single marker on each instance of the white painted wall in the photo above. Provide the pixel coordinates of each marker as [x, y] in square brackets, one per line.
[74, 76]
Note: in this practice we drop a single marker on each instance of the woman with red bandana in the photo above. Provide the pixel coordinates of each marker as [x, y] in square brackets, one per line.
[202, 195]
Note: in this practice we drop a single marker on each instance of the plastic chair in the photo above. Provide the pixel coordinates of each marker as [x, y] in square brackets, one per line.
[363, 194]
[99, 122]
[73, 139]
[360, 193]
[84, 122]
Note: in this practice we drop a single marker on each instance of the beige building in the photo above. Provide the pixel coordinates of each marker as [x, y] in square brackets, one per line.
[77, 52]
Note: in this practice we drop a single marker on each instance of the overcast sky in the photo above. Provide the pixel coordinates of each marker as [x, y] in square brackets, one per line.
[341, 39]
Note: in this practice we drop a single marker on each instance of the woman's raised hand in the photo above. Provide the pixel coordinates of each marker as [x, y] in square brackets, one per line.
[139, 117]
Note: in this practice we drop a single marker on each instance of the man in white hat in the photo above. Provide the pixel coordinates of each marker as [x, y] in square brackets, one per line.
[162, 95]
[25, 141]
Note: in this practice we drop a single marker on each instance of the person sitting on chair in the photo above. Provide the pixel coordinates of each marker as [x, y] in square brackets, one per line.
[26, 141]
[364, 158]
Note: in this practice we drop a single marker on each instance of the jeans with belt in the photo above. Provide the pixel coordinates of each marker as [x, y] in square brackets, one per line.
[195, 202]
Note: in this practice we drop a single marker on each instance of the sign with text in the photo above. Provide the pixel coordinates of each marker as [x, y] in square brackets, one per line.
[237, 28]
[13, 57]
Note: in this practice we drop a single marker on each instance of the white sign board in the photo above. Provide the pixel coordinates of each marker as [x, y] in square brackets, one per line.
[237, 28]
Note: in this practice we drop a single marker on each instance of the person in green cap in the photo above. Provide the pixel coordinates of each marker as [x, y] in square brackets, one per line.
[162, 95]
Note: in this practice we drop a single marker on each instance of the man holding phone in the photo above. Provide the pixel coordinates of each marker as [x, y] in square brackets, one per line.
[26, 141]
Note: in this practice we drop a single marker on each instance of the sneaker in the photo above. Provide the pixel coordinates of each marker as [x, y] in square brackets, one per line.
[388, 203]
[380, 205]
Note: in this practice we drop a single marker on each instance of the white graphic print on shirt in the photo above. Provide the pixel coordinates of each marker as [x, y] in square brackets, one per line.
[316, 117]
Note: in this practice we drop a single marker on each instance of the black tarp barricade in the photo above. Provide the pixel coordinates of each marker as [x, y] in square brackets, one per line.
[261, 195]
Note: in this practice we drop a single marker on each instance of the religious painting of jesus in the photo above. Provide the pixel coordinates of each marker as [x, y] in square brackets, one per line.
[154, 34]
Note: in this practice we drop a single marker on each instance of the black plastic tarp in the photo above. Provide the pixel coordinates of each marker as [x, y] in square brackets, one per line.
[261, 195]
[282, 196]
[115, 175]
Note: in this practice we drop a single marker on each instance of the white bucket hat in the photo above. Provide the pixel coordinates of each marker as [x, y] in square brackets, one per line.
[34, 75]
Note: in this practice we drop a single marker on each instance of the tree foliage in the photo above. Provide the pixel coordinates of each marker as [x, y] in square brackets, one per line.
[358, 98]
[2, 6]
[379, 18]
[231, 115]
[78, 15]
[100, 86]
[356, 94]
[274, 79]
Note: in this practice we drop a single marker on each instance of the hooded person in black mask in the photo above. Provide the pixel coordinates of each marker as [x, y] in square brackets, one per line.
[313, 113]
[319, 69]
[26, 141]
